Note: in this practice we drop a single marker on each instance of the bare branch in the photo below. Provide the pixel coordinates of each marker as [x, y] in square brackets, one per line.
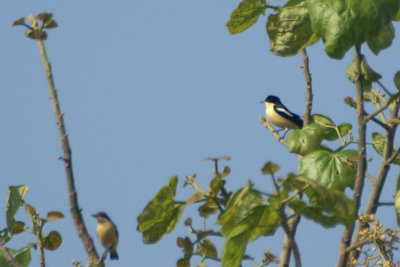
[362, 163]
[67, 157]
[309, 94]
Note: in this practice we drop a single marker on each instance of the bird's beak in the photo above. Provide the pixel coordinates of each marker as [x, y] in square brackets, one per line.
[262, 102]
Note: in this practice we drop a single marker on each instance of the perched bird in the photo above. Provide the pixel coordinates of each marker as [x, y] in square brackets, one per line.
[280, 116]
[107, 233]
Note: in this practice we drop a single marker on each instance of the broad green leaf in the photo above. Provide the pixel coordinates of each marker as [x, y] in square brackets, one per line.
[245, 15]
[397, 201]
[329, 169]
[52, 241]
[331, 131]
[24, 257]
[289, 30]
[345, 23]
[246, 218]
[234, 248]
[382, 40]
[161, 214]
[378, 142]
[368, 74]
[14, 202]
[269, 168]
[326, 206]
[305, 140]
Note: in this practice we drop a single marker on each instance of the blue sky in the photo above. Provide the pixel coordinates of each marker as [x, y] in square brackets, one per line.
[149, 88]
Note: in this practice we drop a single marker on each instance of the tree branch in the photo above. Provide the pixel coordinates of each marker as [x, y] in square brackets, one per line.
[67, 157]
[309, 94]
[387, 157]
[362, 163]
[9, 257]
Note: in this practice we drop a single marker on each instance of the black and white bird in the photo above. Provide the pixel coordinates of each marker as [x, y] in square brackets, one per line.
[280, 115]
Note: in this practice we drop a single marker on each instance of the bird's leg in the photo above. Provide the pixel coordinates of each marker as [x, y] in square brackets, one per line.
[105, 253]
[285, 132]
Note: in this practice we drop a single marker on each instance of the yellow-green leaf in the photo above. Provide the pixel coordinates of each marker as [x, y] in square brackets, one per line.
[52, 241]
[14, 202]
[245, 15]
[19, 22]
[161, 214]
[54, 215]
[270, 168]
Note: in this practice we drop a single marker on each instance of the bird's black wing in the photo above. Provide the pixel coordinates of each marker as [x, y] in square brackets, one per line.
[284, 112]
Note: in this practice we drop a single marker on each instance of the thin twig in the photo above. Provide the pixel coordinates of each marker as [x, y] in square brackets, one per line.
[384, 107]
[9, 257]
[67, 157]
[382, 204]
[384, 88]
[275, 134]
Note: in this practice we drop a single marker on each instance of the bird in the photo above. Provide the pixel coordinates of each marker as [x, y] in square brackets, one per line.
[280, 115]
[107, 233]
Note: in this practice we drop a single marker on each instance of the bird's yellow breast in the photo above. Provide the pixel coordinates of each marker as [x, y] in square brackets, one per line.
[107, 234]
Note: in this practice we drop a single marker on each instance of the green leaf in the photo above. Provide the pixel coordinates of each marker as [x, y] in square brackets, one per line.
[45, 16]
[52, 241]
[327, 207]
[382, 40]
[216, 185]
[234, 248]
[207, 249]
[245, 15]
[24, 257]
[208, 208]
[246, 218]
[378, 142]
[331, 132]
[397, 201]
[397, 80]
[54, 215]
[345, 23]
[14, 202]
[290, 30]
[269, 168]
[17, 228]
[19, 22]
[329, 169]
[305, 140]
[368, 74]
[50, 24]
[32, 212]
[161, 214]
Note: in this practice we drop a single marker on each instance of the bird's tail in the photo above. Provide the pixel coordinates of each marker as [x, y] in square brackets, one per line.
[114, 255]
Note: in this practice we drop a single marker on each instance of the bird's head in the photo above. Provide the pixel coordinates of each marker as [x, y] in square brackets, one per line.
[272, 99]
